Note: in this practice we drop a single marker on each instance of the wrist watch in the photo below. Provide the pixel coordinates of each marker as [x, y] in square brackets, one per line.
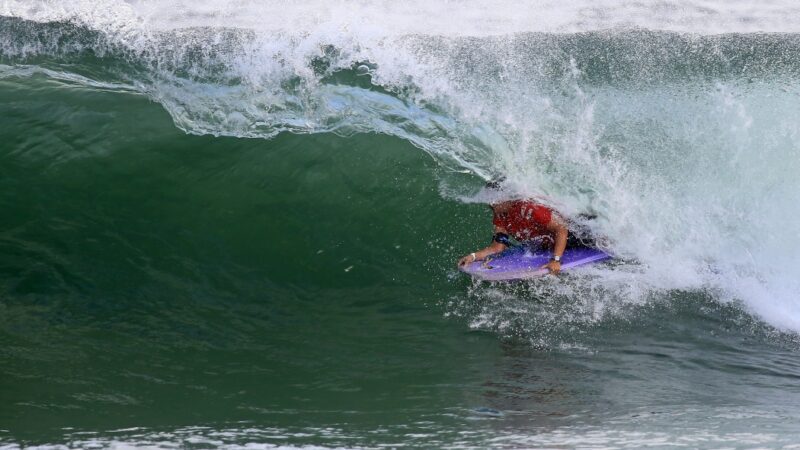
[556, 258]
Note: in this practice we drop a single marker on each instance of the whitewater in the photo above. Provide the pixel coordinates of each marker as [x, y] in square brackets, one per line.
[675, 123]
[680, 137]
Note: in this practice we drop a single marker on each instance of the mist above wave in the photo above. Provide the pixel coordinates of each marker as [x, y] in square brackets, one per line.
[461, 18]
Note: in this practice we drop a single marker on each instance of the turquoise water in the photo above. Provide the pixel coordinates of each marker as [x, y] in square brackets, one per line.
[202, 249]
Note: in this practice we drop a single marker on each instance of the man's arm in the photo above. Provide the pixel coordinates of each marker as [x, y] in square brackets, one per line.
[491, 249]
[558, 227]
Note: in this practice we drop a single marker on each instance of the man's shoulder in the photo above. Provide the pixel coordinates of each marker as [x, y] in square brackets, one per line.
[531, 203]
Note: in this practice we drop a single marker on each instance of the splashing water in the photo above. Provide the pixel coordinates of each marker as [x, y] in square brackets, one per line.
[680, 139]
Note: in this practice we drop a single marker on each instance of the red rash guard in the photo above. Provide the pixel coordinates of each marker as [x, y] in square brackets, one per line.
[525, 220]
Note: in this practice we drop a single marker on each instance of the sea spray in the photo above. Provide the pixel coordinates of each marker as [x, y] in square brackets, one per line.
[681, 141]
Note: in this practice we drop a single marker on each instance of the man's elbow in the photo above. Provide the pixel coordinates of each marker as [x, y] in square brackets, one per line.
[558, 228]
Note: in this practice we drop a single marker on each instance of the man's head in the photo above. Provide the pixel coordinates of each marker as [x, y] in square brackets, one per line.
[495, 184]
[494, 188]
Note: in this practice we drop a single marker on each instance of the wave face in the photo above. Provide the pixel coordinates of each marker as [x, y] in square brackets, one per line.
[675, 123]
[683, 142]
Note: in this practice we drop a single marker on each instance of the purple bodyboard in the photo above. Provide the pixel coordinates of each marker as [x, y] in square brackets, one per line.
[523, 263]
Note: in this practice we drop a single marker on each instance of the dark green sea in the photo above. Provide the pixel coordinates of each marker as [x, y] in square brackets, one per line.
[220, 234]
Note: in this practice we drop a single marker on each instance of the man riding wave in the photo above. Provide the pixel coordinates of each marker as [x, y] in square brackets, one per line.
[532, 224]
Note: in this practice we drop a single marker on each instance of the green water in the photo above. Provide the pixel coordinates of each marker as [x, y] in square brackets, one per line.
[163, 289]
[154, 278]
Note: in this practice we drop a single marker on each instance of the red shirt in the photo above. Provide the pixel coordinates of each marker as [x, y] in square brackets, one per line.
[525, 220]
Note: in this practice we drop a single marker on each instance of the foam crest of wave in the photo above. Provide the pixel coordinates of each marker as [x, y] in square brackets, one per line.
[683, 144]
[461, 18]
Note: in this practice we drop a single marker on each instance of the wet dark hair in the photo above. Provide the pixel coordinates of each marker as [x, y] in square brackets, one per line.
[495, 184]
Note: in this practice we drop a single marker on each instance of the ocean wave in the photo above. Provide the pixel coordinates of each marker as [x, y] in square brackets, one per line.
[681, 141]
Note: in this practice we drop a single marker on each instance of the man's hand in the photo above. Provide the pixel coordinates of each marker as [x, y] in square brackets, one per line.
[553, 266]
[466, 260]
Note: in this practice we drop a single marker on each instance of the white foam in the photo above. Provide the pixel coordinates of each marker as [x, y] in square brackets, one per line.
[445, 18]
[695, 179]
